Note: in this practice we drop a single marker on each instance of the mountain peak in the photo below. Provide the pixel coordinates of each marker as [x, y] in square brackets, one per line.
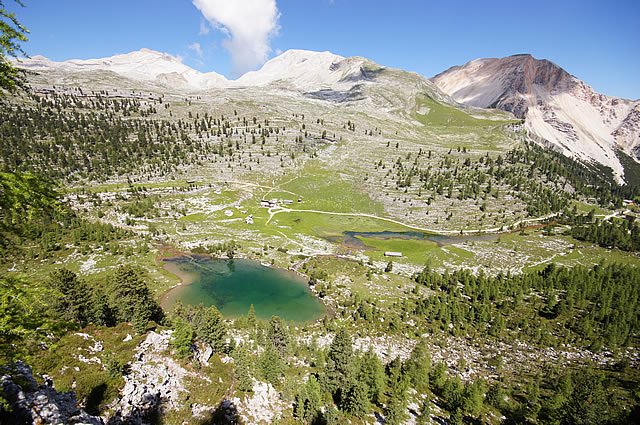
[304, 69]
[559, 108]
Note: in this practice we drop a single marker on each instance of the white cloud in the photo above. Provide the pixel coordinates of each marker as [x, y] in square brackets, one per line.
[249, 24]
[196, 48]
[204, 28]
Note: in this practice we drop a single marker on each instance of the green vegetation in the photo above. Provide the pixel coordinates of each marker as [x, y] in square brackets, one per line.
[12, 34]
[533, 318]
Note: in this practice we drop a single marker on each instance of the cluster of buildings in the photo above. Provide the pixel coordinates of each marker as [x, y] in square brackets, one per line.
[270, 203]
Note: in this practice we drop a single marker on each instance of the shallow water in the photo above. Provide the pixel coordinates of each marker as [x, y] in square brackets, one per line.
[352, 239]
[233, 285]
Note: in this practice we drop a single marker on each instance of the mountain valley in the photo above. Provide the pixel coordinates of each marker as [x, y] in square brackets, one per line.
[472, 239]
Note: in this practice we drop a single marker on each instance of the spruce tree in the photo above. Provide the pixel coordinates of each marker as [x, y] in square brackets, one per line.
[418, 366]
[278, 334]
[209, 326]
[182, 338]
[72, 299]
[355, 399]
[372, 375]
[271, 365]
[424, 416]
[251, 317]
[241, 368]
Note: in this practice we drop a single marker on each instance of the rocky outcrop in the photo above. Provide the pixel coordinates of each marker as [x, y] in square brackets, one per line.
[263, 406]
[153, 383]
[629, 132]
[34, 404]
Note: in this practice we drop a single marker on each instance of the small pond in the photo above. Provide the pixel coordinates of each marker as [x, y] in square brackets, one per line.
[233, 285]
[352, 239]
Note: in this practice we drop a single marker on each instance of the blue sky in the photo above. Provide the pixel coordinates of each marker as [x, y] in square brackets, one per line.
[596, 41]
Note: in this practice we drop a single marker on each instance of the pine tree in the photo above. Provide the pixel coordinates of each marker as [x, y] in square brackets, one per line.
[142, 313]
[101, 313]
[73, 300]
[424, 416]
[396, 410]
[11, 34]
[372, 375]
[209, 326]
[278, 335]
[307, 401]
[356, 399]
[332, 416]
[271, 365]
[418, 366]
[241, 368]
[251, 317]
[339, 367]
[182, 338]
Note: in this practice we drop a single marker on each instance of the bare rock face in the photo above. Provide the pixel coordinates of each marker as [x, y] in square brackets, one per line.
[152, 385]
[562, 111]
[629, 130]
[33, 404]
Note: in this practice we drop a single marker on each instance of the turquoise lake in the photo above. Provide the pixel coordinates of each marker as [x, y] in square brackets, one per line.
[233, 285]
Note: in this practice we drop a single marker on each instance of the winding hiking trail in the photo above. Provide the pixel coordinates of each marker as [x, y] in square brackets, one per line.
[278, 210]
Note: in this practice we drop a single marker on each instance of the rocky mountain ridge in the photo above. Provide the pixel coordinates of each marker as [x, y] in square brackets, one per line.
[301, 69]
[559, 110]
[563, 111]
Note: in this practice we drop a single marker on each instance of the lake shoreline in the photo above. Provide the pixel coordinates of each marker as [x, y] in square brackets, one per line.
[168, 298]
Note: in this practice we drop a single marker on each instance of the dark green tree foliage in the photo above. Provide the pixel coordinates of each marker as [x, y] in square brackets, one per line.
[182, 339]
[453, 394]
[278, 335]
[396, 410]
[72, 299]
[19, 319]
[142, 314]
[101, 311]
[241, 368]
[12, 33]
[251, 317]
[206, 322]
[209, 326]
[355, 400]
[473, 397]
[621, 234]
[317, 275]
[338, 370]
[372, 375]
[594, 305]
[587, 403]
[424, 416]
[113, 366]
[271, 365]
[25, 197]
[495, 395]
[332, 415]
[418, 366]
[582, 398]
[308, 402]
[341, 351]
[128, 292]
[438, 376]
[95, 138]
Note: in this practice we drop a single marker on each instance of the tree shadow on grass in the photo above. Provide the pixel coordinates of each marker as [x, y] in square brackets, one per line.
[225, 414]
[95, 398]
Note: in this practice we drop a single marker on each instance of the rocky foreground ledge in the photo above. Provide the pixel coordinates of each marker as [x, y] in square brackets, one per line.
[31, 403]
